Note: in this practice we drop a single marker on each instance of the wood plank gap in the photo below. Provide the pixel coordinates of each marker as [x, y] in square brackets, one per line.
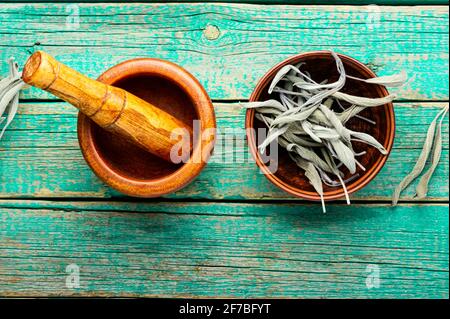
[267, 201]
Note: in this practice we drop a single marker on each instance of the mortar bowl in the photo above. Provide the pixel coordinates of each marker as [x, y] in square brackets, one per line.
[130, 169]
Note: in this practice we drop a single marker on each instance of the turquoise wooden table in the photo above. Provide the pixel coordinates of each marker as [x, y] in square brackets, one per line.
[230, 233]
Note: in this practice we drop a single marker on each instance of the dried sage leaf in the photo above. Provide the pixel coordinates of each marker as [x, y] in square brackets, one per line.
[345, 155]
[265, 104]
[364, 101]
[280, 74]
[9, 94]
[389, 80]
[422, 187]
[314, 178]
[368, 139]
[329, 160]
[421, 161]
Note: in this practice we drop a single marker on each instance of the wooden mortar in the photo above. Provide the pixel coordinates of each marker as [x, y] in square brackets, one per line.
[126, 119]
[112, 108]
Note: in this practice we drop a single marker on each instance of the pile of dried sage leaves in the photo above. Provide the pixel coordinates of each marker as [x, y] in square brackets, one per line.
[303, 122]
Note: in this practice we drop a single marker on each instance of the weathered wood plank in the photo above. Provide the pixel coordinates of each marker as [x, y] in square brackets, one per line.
[223, 250]
[285, 2]
[40, 157]
[251, 39]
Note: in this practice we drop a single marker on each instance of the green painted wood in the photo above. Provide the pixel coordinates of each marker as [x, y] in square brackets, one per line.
[40, 157]
[252, 39]
[218, 249]
[285, 2]
[223, 250]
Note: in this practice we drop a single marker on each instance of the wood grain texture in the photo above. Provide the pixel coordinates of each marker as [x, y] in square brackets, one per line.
[230, 46]
[223, 250]
[40, 157]
[290, 2]
[246, 246]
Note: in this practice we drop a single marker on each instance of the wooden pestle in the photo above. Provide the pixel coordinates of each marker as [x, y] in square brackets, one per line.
[112, 108]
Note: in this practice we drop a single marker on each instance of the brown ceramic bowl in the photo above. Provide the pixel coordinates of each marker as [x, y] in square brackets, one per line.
[126, 167]
[288, 176]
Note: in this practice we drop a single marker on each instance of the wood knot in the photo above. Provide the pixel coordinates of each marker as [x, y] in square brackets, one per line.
[211, 32]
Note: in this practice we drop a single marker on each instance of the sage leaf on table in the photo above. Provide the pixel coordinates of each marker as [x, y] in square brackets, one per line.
[303, 121]
[422, 187]
[9, 94]
[421, 161]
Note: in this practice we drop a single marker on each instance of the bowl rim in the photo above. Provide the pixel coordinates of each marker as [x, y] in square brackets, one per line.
[358, 183]
[189, 170]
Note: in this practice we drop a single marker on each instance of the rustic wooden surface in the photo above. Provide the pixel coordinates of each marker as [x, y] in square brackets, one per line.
[230, 233]
[234, 249]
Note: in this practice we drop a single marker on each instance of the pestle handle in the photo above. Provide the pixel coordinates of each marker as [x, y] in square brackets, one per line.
[112, 108]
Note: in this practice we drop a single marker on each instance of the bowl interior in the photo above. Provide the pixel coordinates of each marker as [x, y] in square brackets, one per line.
[125, 158]
[323, 67]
